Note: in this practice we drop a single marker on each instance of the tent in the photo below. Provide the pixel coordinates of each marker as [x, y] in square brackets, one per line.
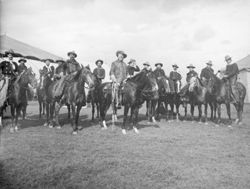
[24, 50]
[244, 75]
[34, 56]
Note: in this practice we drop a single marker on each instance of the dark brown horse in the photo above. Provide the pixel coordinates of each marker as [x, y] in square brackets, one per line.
[198, 95]
[168, 98]
[18, 98]
[220, 89]
[73, 95]
[138, 89]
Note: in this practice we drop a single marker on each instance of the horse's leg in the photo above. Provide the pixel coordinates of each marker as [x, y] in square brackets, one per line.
[78, 110]
[40, 109]
[135, 120]
[238, 109]
[93, 110]
[73, 119]
[44, 107]
[57, 110]
[18, 111]
[52, 111]
[177, 111]
[192, 112]
[200, 113]
[24, 107]
[229, 113]
[206, 113]
[126, 109]
[68, 107]
[219, 113]
[47, 114]
[97, 110]
[104, 106]
[12, 110]
[172, 111]
[241, 112]
[153, 109]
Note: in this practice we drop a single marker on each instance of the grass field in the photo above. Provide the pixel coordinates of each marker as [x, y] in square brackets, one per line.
[166, 155]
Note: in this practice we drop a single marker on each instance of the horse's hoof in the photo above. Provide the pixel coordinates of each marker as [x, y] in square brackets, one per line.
[50, 126]
[229, 126]
[45, 124]
[16, 128]
[236, 121]
[59, 127]
[124, 131]
[136, 130]
[12, 130]
[200, 122]
[240, 123]
[104, 128]
[74, 133]
[206, 123]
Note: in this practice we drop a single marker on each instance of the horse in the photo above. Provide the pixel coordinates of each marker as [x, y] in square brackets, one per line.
[4, 83]
[222, 96]
[18, 98]
[94, 102]
[73, 95]
[168, 98]
[198, 95]
[137, 89]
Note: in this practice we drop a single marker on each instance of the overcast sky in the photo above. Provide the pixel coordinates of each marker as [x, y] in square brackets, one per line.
[168, 31]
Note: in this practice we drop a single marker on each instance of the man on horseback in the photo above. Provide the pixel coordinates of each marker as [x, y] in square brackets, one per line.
[118, 73]
[48, 70]
[147, 67]
[230, 75]
[190, 74]
[9, 71]
[175, 79]
[99, 72]
[207, 72]
[132, 67]
[22, 67]
[160, 74]
[72, 64]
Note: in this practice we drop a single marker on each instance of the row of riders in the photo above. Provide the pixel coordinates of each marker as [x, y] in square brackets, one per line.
[65, 85]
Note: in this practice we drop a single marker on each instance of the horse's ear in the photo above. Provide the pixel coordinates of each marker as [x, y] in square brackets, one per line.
[81, 66]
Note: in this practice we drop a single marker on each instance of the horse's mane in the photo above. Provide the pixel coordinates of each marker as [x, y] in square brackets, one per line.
[138, 77]
[78, 74]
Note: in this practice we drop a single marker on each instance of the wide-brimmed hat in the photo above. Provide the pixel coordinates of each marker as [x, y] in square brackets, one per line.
[227, 57]
[146, 64]
[99, 60]
[22, 60]
[121, 52]
[72, 52]
[190, 66]
[131, 60]
[159, 64]
[175, 66]
[209, 63]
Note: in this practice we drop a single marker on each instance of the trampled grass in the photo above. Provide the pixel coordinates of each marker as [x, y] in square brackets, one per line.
[170, 155]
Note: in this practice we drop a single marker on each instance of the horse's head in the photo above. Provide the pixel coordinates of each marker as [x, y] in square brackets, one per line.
[88, 77]
[194, 82]
[153, 81]
[28, 77]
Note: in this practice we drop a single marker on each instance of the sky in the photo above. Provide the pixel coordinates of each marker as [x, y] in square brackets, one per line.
[167, 31]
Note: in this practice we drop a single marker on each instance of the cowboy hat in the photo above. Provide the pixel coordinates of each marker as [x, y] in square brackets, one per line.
[175, 66]
[227, 57]
[121, 52]
[159, 64]
[99, 60]
[190, 66]
[22, 60]
[72, 52]
[209, 63]
[146, 64]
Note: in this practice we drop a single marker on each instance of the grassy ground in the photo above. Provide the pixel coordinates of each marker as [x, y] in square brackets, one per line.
[167, 155]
